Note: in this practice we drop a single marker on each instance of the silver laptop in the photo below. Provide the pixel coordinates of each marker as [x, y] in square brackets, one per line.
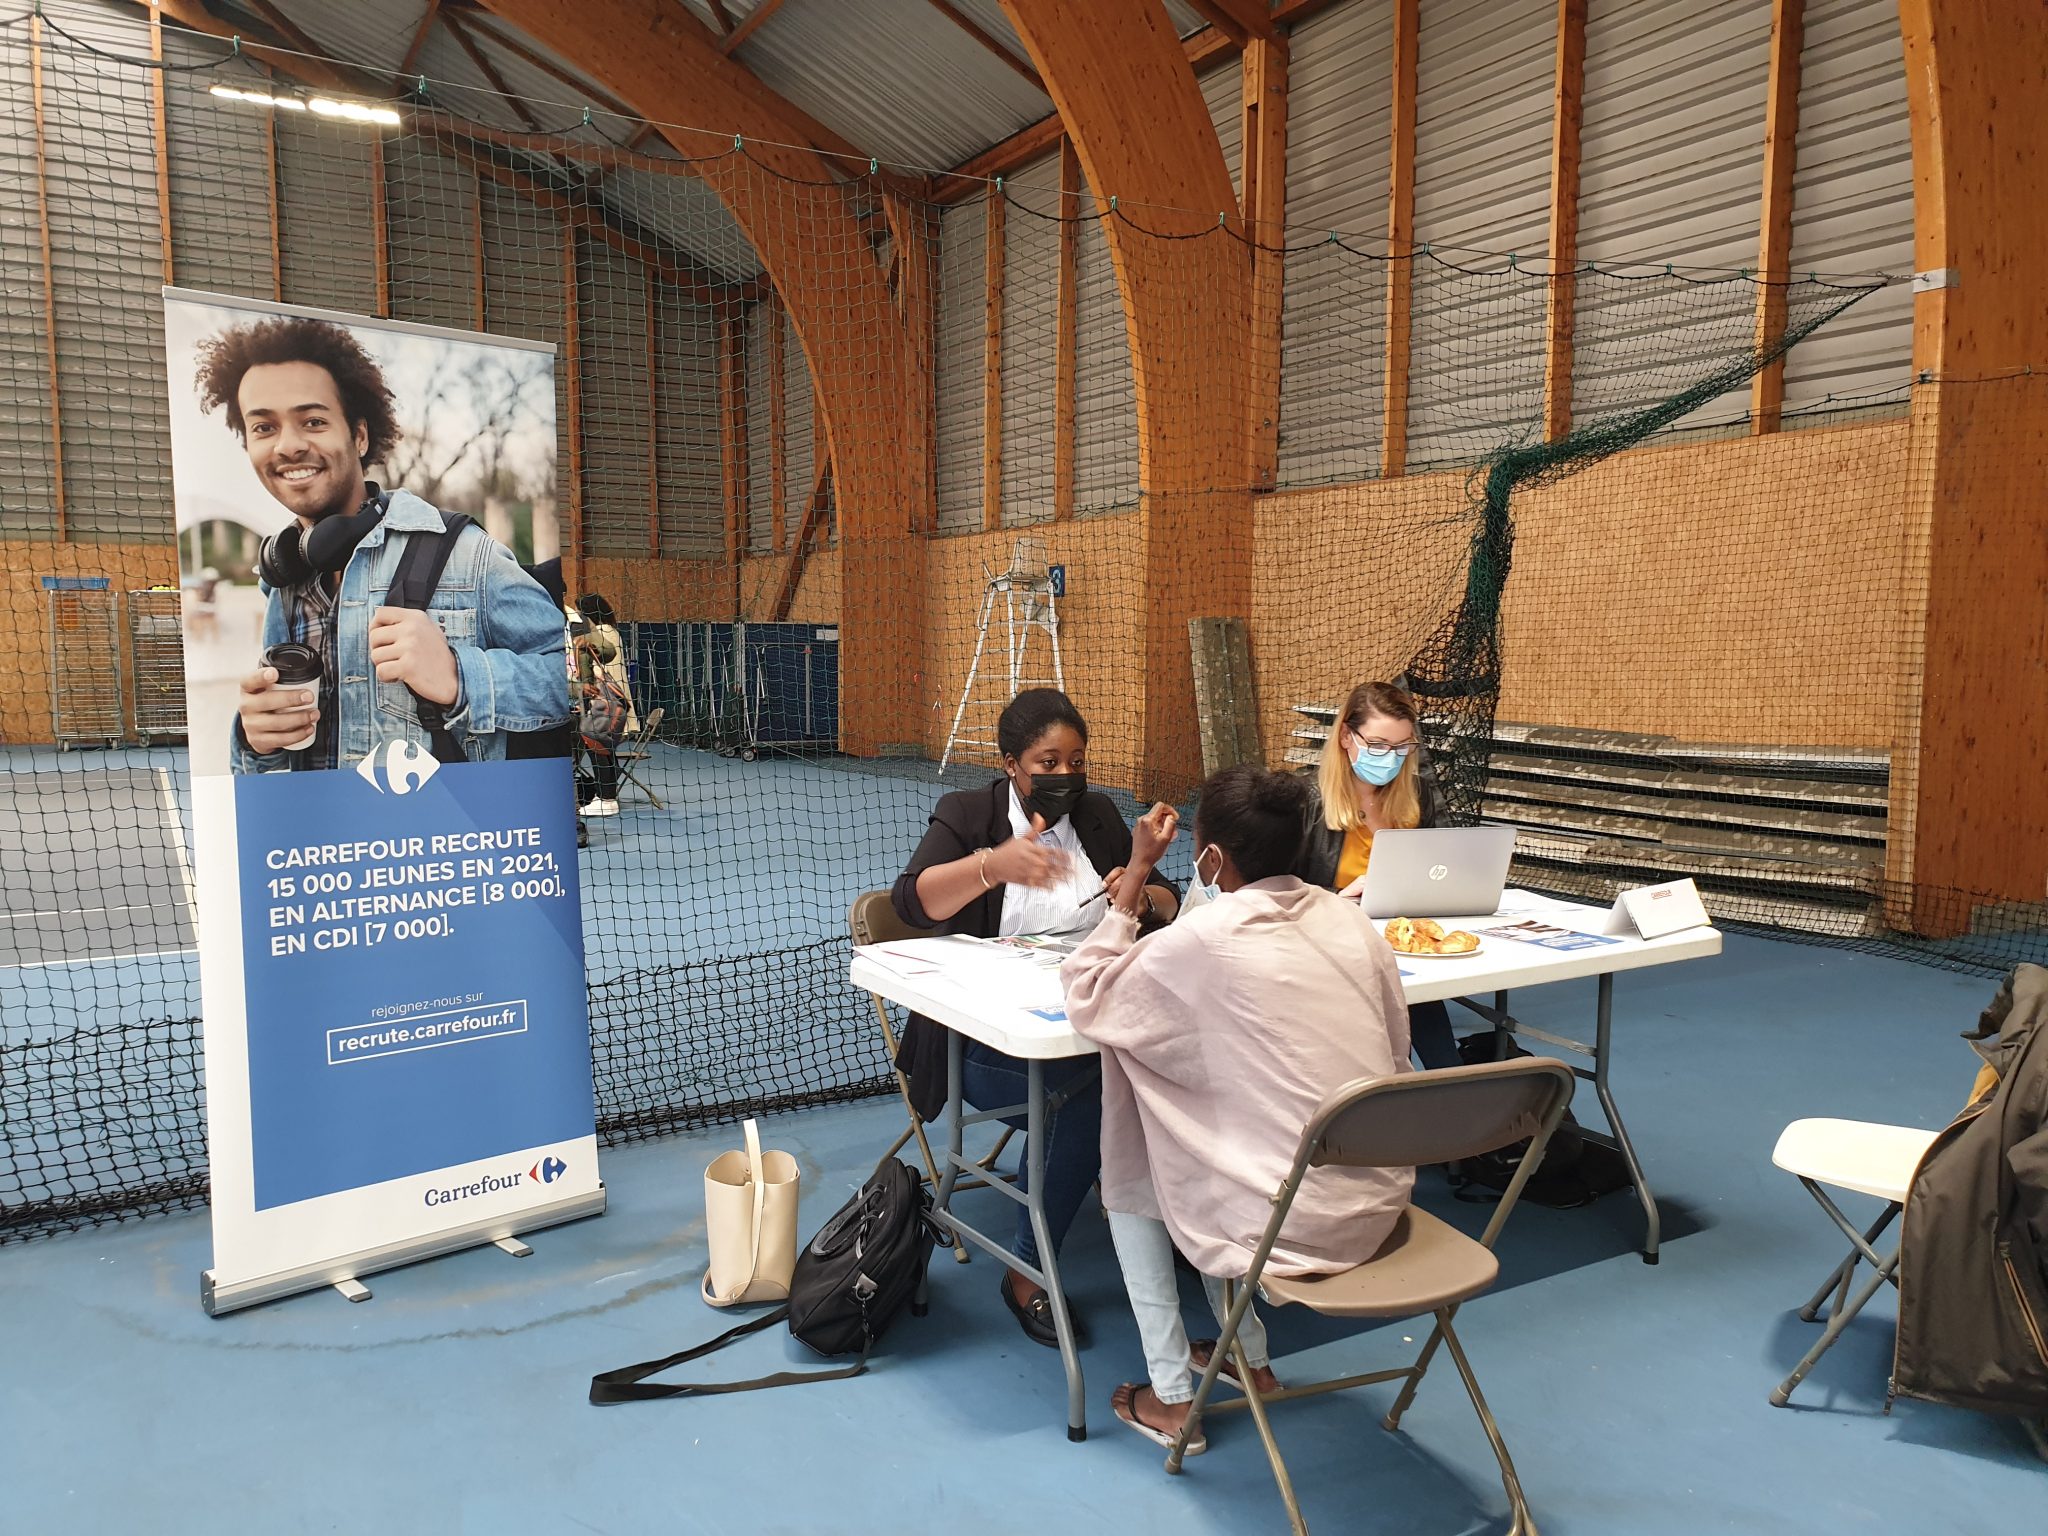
[1437, 871]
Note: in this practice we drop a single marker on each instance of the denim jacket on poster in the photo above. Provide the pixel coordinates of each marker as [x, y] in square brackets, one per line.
[505, 631]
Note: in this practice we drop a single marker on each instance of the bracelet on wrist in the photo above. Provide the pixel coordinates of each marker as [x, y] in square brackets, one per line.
[981, 868]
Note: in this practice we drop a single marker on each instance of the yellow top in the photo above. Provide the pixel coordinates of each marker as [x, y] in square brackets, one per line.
[1356, 855]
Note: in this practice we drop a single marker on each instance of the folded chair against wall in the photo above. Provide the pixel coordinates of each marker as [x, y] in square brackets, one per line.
[1870, 1159]
[636, 750]
[874, 921]
[1425, 1265]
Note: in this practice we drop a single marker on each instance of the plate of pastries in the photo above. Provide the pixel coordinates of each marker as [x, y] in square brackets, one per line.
[1425, 938]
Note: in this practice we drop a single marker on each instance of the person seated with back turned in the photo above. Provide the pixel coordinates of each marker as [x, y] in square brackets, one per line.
[1371, 778]
[1220, 1036]
[1028, 854]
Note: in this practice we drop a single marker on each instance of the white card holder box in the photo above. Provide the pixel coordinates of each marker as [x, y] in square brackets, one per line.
[1655, 910]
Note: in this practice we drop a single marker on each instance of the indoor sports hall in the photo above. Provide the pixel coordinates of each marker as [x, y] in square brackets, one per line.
[805, 415]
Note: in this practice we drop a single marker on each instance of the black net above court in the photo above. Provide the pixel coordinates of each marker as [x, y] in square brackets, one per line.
[853, 452]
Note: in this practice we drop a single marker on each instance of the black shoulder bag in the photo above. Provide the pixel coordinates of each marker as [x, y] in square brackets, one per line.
[850, 1282]
[420, 566]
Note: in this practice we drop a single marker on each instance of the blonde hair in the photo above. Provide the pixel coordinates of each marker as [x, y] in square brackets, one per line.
[1401, 799]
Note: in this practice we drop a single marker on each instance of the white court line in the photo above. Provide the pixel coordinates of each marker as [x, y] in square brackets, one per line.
[133, 906]
[147, 954]
[175, 826]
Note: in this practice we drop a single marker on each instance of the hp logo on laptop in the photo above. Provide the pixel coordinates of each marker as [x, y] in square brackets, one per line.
[1438, 871]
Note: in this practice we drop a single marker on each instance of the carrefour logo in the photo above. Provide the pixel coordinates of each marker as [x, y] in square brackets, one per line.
[546, 1171]
[405, 767]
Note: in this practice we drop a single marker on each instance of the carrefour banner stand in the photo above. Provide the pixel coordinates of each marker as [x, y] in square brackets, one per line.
[390, 934]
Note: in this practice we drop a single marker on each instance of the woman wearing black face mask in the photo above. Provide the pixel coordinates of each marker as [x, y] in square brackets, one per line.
[1028, 854]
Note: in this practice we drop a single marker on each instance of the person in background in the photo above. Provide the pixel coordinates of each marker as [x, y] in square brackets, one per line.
[1027, 854]
[598, 649]
[1371, 778]
[1219, 1037]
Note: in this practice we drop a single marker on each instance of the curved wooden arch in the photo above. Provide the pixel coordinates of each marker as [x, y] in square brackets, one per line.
[666, 65]
[1130, 102]
[1966, 812]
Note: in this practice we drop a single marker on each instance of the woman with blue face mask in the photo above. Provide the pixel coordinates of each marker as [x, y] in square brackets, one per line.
[1371, 778]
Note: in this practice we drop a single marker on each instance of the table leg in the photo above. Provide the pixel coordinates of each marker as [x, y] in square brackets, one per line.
[1034, 1203]
[1602, 1041]
[955, 1132]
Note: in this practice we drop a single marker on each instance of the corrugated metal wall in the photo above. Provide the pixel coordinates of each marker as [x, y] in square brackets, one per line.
[1031, 261]
[106, 254]
[220, 183]
[1671, 170]
[958, 336]
[1852, 203]
[1483, 113]
[612, 299]
[758, 345]
[1105, 391]
[687, 432]
[1339, 90]
[324, 216]
[28, 488]
[1223, 90]
[430, 211]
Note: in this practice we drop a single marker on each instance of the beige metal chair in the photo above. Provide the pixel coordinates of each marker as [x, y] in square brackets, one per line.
[873, 920]
[1425, 1265]
[638, 750]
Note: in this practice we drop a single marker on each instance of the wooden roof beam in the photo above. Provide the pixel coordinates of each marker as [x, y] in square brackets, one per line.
[489, 71]
[1203, 48]
[194, 17]
[409, 65]
[1240, 20]
[981, 35]
[729, 44]
[487, 26]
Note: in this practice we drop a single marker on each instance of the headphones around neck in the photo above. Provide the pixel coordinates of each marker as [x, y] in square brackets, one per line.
[295, 556]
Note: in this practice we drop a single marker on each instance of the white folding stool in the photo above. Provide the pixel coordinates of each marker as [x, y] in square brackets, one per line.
[1871, 1159]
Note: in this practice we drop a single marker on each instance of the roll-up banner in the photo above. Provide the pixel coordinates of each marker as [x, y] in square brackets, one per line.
[390, 934]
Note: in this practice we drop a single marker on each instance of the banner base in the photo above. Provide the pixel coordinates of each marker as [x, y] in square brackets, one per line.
[218, 1298]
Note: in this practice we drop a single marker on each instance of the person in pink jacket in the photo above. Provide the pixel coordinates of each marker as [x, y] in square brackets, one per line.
[1219, 1037]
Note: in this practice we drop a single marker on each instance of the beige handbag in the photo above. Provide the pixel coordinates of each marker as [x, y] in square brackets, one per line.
[750, 1218]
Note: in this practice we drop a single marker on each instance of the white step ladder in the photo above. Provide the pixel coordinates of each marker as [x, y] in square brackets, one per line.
[1029, 605]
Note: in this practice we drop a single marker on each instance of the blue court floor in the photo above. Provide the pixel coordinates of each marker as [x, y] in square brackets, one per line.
[1634, 1398]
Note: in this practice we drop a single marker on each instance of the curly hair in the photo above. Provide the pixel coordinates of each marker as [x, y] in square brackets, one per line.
[365, 397]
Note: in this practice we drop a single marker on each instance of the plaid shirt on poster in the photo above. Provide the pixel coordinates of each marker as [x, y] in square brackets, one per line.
[312, 623]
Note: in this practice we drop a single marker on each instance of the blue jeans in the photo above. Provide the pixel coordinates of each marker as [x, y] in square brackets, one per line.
[1073, 1132]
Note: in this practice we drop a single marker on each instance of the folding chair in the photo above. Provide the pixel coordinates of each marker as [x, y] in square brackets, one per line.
[1425, 1265]
[873, 920]
[1871, 1159]
[638, 750]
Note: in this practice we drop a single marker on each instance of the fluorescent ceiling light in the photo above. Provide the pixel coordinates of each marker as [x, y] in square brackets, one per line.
[322, 106]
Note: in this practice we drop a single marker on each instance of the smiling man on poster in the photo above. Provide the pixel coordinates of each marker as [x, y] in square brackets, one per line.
[484, 659]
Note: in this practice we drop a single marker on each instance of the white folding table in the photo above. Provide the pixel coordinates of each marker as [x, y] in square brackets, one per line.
[961, 997]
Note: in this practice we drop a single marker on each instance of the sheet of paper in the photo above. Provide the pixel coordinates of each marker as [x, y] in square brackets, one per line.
[1546, 935]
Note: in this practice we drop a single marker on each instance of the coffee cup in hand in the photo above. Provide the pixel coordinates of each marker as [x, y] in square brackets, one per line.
[296, 666]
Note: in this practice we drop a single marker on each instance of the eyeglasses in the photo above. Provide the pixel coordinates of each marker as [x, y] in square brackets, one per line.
[1398, 748]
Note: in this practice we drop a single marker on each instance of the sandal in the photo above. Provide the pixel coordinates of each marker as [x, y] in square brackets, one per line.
[1123, 1402]
[1227, 1370]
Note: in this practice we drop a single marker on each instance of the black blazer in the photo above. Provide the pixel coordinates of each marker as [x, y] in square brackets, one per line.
[963, 821]
[1322, 848]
